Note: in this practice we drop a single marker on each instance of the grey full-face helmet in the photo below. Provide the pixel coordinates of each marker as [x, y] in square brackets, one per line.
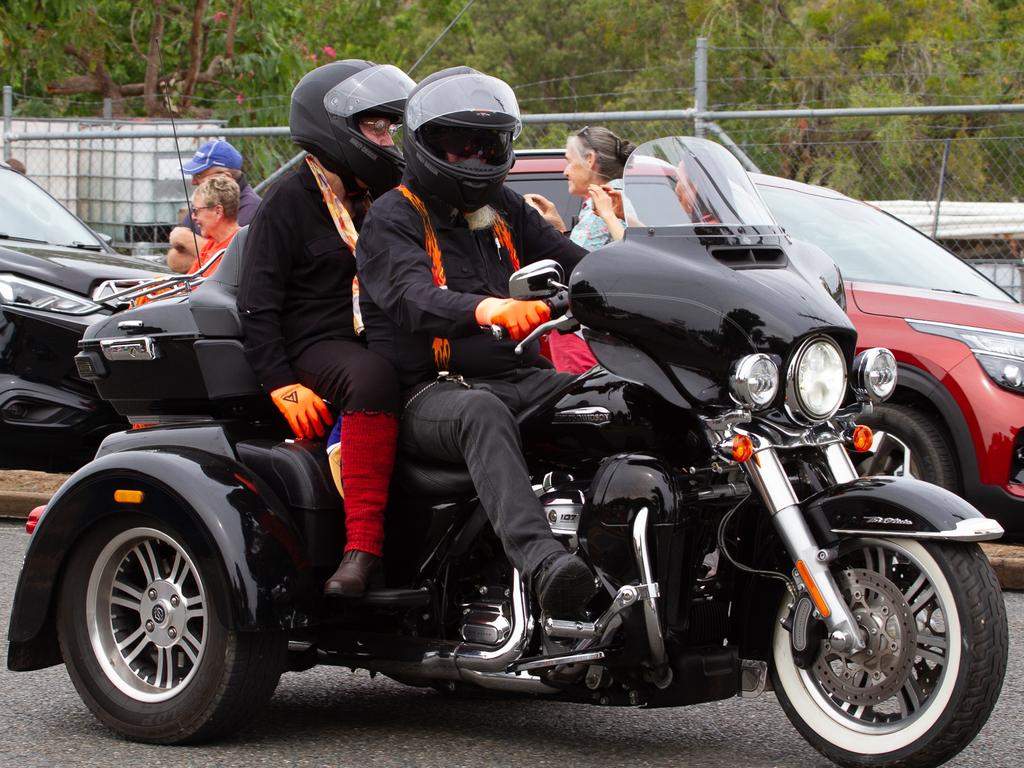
[326, 108]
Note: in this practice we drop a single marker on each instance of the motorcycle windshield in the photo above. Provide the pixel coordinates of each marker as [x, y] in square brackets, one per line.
[681, 181]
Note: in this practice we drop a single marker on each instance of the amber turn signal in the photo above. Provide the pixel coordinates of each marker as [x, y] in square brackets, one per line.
[128, 497]
[862, 438]
[812, 589]
[742, 448]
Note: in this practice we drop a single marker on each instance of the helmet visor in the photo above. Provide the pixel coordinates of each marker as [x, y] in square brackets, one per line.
[468, 147]
[368, 90]
[472, 99]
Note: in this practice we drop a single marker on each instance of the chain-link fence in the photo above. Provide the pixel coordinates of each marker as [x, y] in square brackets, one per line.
[961, 186]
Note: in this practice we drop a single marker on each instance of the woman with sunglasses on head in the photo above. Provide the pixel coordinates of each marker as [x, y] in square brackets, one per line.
[595, 158]
[298, 300]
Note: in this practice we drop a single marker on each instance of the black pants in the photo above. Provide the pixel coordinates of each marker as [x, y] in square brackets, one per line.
[477, 426]
[349, 376]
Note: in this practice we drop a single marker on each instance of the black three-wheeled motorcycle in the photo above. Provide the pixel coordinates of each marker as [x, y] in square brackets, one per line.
[702, 470]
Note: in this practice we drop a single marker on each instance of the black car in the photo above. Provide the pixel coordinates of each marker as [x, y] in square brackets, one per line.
[51, 264]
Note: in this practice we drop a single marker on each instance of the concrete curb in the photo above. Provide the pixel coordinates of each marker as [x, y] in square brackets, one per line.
[1007, 559]
[18, 504]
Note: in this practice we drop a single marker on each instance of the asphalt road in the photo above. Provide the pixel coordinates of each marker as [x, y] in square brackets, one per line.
[331, 717]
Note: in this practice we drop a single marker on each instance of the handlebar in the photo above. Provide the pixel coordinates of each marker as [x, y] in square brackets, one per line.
[559, 304]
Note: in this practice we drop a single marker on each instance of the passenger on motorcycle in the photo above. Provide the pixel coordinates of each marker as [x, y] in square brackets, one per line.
[434, 257]
[298, 300]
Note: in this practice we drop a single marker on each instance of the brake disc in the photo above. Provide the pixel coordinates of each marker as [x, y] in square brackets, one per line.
[876, 673]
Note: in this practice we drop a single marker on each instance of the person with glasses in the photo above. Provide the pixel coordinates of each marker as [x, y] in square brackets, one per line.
[594, 161]
[214, 158]
[435, 257]
[298, 299]
[215, 209]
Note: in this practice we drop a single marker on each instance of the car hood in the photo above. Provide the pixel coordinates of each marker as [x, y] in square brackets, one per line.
[70, 268]
[937, 306]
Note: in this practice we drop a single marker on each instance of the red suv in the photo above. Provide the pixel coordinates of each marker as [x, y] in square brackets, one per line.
[956, 417]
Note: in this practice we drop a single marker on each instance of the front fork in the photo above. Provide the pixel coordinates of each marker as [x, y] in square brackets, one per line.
[812, 562]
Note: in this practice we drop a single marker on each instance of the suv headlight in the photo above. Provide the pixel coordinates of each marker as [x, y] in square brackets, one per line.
[22, 292]
[754, 381]
[874, 374]
[816, 383]
[1000, 353]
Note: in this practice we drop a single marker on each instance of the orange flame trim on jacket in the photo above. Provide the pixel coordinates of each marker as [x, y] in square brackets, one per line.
[442, 348]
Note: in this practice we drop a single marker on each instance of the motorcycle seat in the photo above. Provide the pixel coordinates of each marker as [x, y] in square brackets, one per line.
[423, 478]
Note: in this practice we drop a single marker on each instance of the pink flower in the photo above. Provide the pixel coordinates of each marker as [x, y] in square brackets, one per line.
[330, 52]
[219, 16]
[239, 97]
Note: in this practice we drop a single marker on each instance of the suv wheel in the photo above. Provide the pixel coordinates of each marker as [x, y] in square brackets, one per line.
[909, 442]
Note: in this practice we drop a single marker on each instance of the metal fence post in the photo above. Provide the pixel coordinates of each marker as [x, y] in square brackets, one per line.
[108, 107]
[700, 85]
[8, 110]
[942, 188]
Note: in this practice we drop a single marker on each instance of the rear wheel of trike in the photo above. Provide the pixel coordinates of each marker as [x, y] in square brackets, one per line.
[936, 654]
[144, 640]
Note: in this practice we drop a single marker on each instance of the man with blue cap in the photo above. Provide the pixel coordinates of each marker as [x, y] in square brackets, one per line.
[214, 158]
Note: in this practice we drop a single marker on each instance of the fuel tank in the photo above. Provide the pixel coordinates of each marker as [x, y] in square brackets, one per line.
[694, 300]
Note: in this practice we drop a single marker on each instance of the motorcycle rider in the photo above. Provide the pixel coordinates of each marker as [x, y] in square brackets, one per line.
[434, 260]
[298, 300]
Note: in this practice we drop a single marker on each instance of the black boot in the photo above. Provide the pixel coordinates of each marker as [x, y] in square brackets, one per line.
[352, 576]
[563, 585]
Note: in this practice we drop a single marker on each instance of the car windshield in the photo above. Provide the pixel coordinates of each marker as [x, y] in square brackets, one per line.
[29, 213]
[872, 246]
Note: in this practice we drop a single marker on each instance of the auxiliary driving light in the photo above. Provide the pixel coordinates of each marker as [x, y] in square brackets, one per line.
[874, 374]
[754, 381]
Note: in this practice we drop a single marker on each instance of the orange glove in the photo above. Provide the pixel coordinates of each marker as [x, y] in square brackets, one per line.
[518, 317]
[306, 413]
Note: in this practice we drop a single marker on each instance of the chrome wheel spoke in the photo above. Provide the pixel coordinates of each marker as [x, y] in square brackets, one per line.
[190, 645]
[123, 586]
[174, 577]
[922, 599]
[164, 668]
[147, 561]
[131, 603]
[130, 657]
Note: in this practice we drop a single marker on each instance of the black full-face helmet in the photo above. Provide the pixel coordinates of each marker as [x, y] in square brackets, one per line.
[327, 105]
[459, 128]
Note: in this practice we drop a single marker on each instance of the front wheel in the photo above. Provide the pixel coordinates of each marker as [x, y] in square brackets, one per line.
[936, 654]
[144, 641]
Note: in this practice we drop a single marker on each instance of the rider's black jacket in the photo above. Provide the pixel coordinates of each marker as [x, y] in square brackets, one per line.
[296, 288]
[404, 311]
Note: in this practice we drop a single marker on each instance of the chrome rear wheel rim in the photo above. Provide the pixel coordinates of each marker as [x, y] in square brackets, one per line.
[147, 614]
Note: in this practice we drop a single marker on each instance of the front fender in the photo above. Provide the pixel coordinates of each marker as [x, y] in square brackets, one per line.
[896, 506]
[229, 517]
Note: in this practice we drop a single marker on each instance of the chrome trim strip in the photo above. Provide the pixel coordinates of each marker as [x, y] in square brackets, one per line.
[659, 658]
[558, 661]
[958, 327]
[973, 529]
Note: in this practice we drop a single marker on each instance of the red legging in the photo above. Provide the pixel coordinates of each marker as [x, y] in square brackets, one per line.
[364, 388]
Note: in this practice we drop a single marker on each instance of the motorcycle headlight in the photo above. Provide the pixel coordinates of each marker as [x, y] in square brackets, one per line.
[754, 381]
[874, 374]
[1000, 353]
[817, 379]
[22, 292]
